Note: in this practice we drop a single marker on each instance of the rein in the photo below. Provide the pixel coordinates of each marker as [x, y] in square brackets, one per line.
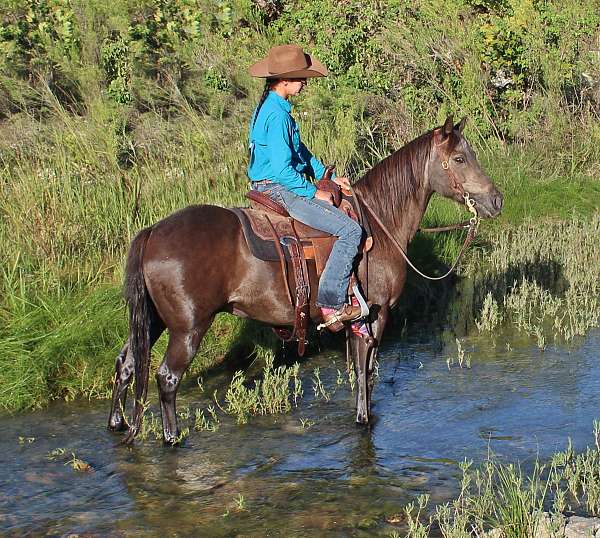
[472, 224]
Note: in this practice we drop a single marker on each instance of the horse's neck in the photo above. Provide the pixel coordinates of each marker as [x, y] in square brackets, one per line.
[413, 211]
[414, 214]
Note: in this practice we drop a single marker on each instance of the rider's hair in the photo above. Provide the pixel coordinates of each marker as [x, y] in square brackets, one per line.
[265, 92]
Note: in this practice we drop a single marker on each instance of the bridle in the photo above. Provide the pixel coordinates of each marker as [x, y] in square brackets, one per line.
[472, 224]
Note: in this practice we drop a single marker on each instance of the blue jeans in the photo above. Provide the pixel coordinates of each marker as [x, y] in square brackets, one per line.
[321, 215]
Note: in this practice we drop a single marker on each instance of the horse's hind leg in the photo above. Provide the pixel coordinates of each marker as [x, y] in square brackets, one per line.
[124, 369]
[180, 351]
[123, 372]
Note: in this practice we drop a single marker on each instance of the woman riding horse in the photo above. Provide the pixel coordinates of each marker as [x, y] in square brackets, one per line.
[279, 162]
[196, 263]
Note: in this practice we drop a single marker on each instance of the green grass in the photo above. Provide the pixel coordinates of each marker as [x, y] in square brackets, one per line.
[502, 496]
[82, 172]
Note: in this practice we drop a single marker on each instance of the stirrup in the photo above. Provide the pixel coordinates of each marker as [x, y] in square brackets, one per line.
[364, 307]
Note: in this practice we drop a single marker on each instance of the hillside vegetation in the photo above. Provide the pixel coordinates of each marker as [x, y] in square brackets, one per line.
[114, 114]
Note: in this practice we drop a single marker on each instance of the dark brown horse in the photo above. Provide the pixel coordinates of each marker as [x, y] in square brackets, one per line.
[195, 263]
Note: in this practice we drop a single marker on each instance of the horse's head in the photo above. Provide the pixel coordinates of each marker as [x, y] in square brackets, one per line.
[454, 171]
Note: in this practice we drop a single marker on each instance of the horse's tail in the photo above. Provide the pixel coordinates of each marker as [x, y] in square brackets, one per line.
[141, 313]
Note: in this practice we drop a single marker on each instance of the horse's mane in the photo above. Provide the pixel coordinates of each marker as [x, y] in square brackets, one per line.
[394, 182]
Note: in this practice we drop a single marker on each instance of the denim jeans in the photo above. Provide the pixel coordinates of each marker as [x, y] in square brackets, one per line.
[321, 215]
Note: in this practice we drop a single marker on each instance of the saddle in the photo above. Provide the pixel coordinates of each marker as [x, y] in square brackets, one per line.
[272, 235]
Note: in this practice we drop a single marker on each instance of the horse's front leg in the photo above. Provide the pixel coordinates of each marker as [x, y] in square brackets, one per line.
[365, 352]
[362, 346]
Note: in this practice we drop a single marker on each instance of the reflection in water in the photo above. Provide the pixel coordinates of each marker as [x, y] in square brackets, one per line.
[276, 477]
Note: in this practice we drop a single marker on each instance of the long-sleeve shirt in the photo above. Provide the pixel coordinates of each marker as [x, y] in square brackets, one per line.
[276, 151]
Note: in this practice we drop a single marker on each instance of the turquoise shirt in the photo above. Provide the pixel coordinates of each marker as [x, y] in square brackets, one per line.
[276, 151]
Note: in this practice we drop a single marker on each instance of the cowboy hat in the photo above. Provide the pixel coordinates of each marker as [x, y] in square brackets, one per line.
[288, 61]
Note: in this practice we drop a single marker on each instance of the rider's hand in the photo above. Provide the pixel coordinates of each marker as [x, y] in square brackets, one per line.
[343, 182]
[326, 196]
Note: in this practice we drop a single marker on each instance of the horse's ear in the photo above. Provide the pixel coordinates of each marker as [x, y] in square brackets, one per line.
[461, 125]
[449, 126]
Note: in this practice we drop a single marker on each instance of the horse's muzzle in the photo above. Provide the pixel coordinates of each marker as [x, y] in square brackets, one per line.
[489, 204]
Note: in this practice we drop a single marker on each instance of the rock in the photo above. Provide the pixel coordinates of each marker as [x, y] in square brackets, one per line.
[557, 527]
[582, 527]
[550, 527]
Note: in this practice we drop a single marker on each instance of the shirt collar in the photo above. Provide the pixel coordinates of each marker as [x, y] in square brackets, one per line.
[276, 98]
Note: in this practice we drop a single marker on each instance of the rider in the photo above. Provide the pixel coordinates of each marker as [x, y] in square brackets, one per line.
[279, 162]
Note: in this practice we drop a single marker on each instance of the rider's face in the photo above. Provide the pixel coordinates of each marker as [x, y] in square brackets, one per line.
[296, 85]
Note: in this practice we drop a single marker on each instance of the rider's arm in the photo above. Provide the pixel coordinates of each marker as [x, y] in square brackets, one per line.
[316, 168]
[280, 149]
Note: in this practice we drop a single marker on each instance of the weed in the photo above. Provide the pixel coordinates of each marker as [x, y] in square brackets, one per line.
[352, 378]
[183, 434]
[490, 316]
[270, 395]
[417, 529]
[151, 425]
[501, 496]
[56, 453]
[240, 503]
[201, 423]
[318, 387]
[79, 465]
[463, 358]
[306, 423]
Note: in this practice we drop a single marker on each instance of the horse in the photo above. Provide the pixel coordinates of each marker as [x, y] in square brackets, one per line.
[195, 263]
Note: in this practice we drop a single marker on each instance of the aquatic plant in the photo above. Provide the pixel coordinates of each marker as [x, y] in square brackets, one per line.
[318, 388]
[490, 316]
[501, 496]
[545, 276]
[270, 395]
[202, 423]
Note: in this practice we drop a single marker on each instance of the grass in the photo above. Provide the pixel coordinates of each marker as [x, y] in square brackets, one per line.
[276, 392]
[78, 181]
[502, 496]
[543, 277]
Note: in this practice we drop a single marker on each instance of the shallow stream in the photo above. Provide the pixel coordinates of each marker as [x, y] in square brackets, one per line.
[312, 472]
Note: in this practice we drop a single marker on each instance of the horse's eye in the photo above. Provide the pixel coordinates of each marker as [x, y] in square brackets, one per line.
[459, 159]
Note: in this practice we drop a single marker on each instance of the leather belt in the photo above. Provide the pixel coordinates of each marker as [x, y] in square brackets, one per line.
[262, 182]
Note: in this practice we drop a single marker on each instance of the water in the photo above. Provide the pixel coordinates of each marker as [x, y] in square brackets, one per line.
[276, 477]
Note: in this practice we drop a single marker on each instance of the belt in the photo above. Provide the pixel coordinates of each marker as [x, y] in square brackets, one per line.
[262, 182]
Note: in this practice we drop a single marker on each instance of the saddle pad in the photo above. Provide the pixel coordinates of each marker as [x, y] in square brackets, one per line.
[259, 234]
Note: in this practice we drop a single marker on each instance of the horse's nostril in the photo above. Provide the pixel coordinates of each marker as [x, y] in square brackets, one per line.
[498, 202]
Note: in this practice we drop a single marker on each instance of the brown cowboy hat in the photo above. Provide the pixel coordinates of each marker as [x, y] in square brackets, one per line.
[288, 61]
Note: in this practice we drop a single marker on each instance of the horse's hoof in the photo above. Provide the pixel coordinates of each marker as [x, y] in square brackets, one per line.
[118, 425]
[171, 440]
[362, 418]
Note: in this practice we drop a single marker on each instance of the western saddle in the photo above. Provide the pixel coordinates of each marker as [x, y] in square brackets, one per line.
[272, 235]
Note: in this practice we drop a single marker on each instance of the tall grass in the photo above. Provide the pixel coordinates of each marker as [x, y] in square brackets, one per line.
[518, 504]
[101, 134]
[543, 276]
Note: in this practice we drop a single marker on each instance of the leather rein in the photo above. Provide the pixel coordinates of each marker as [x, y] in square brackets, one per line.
[472, 224]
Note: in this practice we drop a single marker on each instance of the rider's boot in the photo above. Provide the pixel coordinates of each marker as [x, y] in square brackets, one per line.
[334, 319]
